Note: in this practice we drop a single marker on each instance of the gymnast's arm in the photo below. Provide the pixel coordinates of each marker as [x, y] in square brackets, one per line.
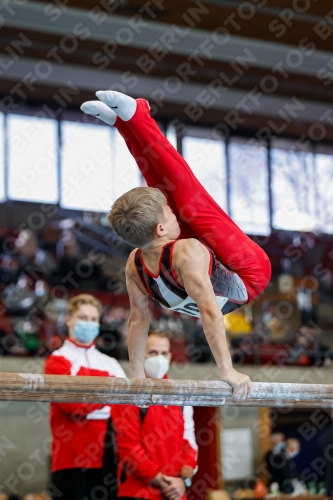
[192, 264]
[138, 323]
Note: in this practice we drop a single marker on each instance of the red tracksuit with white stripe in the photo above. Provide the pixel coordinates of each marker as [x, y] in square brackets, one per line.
[78, 429]
[163, 442]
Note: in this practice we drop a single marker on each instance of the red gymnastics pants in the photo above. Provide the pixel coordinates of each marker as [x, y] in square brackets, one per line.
[198, 214]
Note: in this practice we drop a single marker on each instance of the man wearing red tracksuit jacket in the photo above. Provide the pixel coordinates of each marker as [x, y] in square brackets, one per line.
[79, 430]
[156, 447]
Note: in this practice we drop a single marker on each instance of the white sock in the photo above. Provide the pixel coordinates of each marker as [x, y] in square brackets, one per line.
[101, 110]
[123, 105]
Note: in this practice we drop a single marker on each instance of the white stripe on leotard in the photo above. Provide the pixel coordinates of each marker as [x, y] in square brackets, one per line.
[188, 305]
[168, 295]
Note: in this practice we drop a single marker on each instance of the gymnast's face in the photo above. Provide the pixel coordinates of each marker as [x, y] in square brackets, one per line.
[170, 223]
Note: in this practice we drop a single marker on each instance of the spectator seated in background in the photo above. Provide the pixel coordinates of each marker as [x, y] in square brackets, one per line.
[115, 318]
[280, 463]
[19, 298]
[28, 334]
[112, 332]
[9, 270]
[156, 446]
[276, 329]
[27, 296]
[68, 255]
[291, 450]
[170, 323]
[277, 444]
[79, 430]
[307, 348]
[77, 267]
[29, 254]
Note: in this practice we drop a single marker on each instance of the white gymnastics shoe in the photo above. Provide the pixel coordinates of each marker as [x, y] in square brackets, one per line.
[101, 110]
[123, 105]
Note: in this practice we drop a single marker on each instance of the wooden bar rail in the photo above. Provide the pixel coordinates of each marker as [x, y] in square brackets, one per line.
[109, 390]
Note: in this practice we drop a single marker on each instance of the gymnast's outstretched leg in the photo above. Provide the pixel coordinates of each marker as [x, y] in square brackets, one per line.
[163, 167]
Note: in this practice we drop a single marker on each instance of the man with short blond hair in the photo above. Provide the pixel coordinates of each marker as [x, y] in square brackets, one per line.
[191, 256]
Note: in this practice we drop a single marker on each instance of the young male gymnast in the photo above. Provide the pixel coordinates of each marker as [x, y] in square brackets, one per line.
[190, 256]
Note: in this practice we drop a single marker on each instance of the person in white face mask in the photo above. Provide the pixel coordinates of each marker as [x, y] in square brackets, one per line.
[156, 446]
[79, 430]
[158, 355]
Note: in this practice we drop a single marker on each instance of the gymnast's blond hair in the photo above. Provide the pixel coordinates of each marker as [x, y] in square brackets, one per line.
[134, 215]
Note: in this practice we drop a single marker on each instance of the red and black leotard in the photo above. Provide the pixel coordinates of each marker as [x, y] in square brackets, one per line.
[229, 289]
